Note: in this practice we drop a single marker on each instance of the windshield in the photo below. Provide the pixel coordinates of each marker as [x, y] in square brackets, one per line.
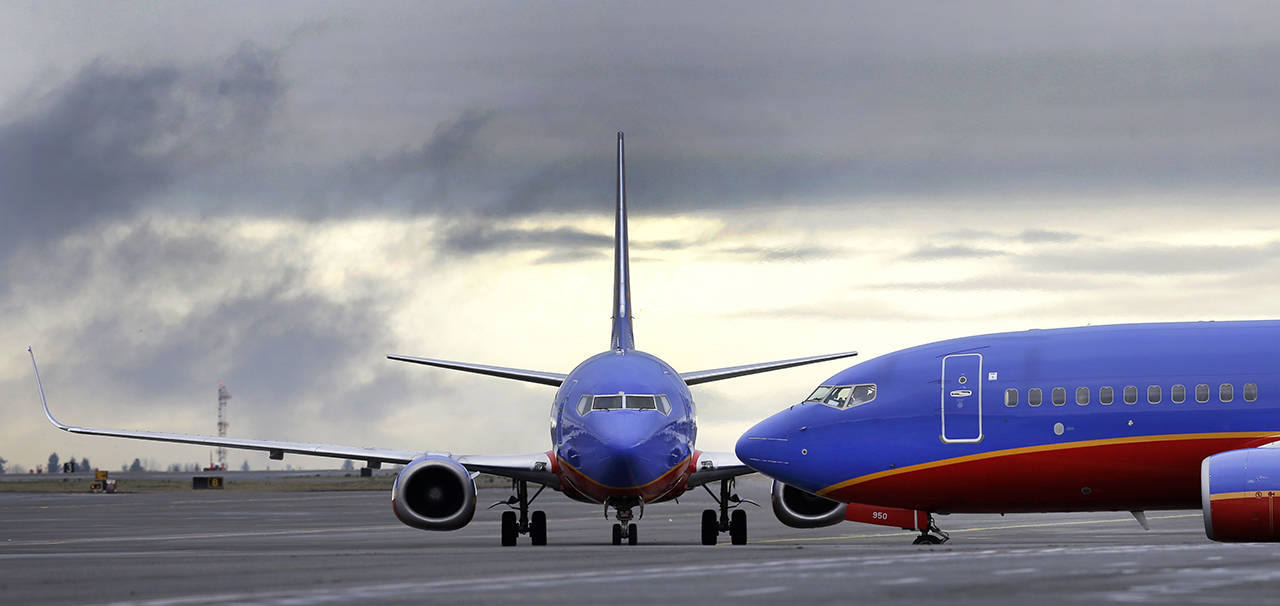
[619, 401]
[844, 396]
[819, 394]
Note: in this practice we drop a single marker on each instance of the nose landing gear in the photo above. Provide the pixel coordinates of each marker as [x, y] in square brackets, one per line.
[624, 529]
[535, 527]
[735, 525]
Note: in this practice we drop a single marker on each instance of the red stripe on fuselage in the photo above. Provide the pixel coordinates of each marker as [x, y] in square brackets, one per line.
[670, 484]
[1155, 473]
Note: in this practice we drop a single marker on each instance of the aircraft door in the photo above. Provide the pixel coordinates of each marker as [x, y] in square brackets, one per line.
[962, 398]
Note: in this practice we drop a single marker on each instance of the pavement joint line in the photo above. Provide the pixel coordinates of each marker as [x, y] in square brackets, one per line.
[975, 529]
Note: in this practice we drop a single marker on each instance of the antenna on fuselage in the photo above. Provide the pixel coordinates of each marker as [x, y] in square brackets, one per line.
[623, 338]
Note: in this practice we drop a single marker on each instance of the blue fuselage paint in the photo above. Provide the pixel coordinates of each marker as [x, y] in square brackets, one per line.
[826, 450]
[623, 452]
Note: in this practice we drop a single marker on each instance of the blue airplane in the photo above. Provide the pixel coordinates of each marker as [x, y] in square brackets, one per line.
[1128, 417]
[623, 427]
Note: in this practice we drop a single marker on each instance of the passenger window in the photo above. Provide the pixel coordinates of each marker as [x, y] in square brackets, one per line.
[1225, 392]
[1178, 394]
[1250, 392]
[1010, 397]
[1034, 396]
[1153, 394]
[1202, 393]
[1130, 394]
[1106, 395]
[1059, 396]
[1082, 396]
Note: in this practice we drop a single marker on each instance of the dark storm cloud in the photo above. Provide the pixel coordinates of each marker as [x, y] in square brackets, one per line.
[249, 318]
[112, 138]
[475, 238]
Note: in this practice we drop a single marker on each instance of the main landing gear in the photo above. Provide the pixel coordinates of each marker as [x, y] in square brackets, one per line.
[535, 527]
[932, 535]
[736, 525]
[624, 529]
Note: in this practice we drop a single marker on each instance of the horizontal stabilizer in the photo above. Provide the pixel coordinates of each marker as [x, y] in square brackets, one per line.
[530, 376]
[717, 374]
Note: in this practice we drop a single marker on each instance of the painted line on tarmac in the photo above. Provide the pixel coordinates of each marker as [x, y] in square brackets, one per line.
[900, 533]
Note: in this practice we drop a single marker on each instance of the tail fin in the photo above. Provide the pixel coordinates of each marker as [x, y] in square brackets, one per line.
[623, 338]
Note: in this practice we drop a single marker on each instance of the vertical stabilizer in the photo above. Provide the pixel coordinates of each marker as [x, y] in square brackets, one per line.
[622, 335]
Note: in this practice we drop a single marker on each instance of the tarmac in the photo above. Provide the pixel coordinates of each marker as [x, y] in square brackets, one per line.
[302, 548]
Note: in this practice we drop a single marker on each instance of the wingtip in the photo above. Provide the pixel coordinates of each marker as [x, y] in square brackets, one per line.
[40, 386]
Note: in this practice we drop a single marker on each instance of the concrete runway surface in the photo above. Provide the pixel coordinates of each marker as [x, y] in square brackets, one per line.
[336, 548]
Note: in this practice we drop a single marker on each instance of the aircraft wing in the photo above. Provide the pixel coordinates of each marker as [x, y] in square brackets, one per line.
[706, 376]
[715, 466]
[533, 467]
[529, 376]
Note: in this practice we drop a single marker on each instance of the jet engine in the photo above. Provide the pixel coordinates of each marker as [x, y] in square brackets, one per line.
[799, 509]
[1239, 490]
[434, 493]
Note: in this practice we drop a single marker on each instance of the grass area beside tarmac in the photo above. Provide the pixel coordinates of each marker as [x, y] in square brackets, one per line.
[232, 482]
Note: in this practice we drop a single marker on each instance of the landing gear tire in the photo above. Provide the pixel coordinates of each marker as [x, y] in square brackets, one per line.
[710, 527]
[538, 528]
[509, 528]
[632, 535]
[931, 535]
[738, 527]
[617, 534]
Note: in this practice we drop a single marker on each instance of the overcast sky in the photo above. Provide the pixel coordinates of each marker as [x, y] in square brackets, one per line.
[277, 195]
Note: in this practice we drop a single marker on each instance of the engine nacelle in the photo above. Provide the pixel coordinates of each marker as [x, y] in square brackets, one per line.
[434, 493]
[1240, 495]
[799, 509]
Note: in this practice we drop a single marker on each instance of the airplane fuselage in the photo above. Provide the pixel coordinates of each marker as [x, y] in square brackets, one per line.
[623, 427]
[1076, 419]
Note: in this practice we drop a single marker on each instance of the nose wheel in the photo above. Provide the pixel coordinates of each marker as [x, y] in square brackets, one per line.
[512, 526]
[736, 524]
[624, 529]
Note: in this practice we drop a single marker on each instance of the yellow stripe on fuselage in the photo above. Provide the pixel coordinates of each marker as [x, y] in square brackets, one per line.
[1251, 494]
[1046, 448]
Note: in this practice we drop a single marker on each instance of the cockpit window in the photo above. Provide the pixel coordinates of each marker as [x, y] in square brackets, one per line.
[619, 401]
[607, 402]
[819, 394]
[844, 396]
[642, 402]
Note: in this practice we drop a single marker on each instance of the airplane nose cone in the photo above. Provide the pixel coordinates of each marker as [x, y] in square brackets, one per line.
[626, 450]
[767, 446]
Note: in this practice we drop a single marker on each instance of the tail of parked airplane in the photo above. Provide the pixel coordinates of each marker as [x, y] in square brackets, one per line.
[623, 338]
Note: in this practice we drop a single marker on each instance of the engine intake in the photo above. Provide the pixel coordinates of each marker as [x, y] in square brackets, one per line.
[1239, 490]
[799, 509]
[434, 493]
